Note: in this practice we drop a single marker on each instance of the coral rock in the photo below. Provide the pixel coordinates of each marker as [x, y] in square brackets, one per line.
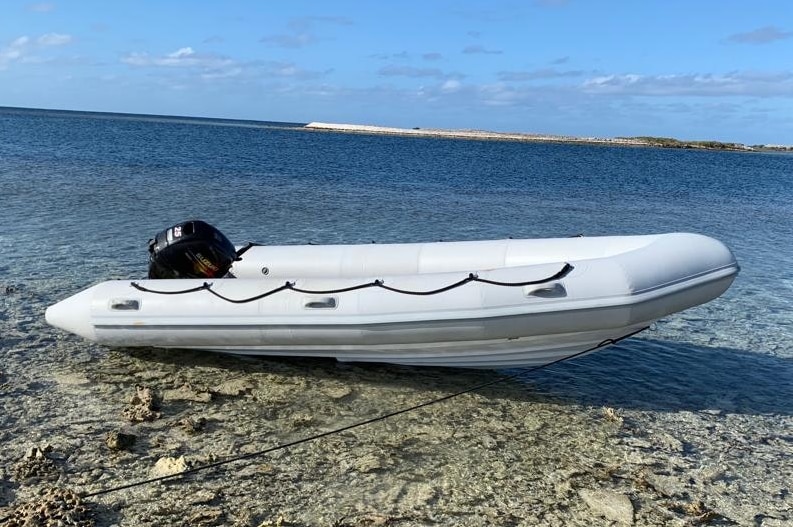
[119, 440]
[36, 465]
[56, 506]
[144, 406]
[193, 425]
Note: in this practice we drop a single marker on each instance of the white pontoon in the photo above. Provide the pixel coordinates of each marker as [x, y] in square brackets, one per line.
[481, 304]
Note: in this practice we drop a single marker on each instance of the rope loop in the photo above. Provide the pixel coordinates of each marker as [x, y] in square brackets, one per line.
[379, 282]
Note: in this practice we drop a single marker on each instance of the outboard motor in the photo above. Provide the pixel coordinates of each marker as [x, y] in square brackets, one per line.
[191, 249]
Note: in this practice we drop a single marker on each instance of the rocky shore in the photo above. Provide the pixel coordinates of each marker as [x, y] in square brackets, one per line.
[557, 448]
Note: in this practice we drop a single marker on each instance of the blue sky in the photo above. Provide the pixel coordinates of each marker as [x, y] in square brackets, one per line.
[688, 69]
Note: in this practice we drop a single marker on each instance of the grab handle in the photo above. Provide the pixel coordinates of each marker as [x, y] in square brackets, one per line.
[555, 290]
[326, 302]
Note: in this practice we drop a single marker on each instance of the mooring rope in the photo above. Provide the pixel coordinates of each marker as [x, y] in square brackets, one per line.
[291, 286]
[358, 424]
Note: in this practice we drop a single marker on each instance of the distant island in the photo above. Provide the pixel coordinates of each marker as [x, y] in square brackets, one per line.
[661, 142]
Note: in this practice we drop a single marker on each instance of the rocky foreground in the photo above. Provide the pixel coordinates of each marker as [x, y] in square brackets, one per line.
[506, 456]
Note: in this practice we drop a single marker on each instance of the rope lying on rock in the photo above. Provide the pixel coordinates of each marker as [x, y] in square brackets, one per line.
[472, 277]
[378, 418]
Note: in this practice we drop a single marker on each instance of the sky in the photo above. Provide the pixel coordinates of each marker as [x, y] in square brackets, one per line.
[707, 69]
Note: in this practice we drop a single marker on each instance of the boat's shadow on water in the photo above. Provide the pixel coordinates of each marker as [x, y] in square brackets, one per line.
[638, 374]
[657, 375]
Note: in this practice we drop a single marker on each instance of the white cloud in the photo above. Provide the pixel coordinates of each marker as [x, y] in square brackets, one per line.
[24, 49]
[749, 84]
[451, 86]
[410, 71]
[136, 59]
[20, 42]
[12, 52]
[185, 67]
[402, 55]
[481, 50]
[182, 52]
[761, 35]
[221, 74]
[286, 70]
[303, 31]
[668, 94]
[54, 39]
[185, 57]
[297, 40]
[542, 73]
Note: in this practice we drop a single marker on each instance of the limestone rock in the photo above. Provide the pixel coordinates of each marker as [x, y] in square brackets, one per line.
[167, 466]
[667, 486]
[611, 505]
[186, 392]
[71, 379]
[206, 516]
[233, 387]
[201, 497]
[337, 392]
[420, 495]
[368, 463]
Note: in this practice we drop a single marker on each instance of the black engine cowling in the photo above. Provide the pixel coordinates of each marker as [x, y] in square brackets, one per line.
[191, 249]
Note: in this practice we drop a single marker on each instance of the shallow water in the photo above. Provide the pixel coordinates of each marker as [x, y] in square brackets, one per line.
[701, 405]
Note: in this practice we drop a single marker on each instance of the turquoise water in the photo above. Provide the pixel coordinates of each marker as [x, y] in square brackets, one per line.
[82, 194]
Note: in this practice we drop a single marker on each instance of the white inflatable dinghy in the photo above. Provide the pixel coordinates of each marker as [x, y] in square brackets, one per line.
[480, 304]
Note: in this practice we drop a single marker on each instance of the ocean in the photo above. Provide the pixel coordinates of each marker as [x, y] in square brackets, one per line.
[691, 418]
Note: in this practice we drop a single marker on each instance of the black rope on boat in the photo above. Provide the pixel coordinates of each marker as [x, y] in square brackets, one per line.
[376, 283]
[208, 287]
[561, 274]
[382, 417]
[205, 286]
[472, 277]
[244, 249]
